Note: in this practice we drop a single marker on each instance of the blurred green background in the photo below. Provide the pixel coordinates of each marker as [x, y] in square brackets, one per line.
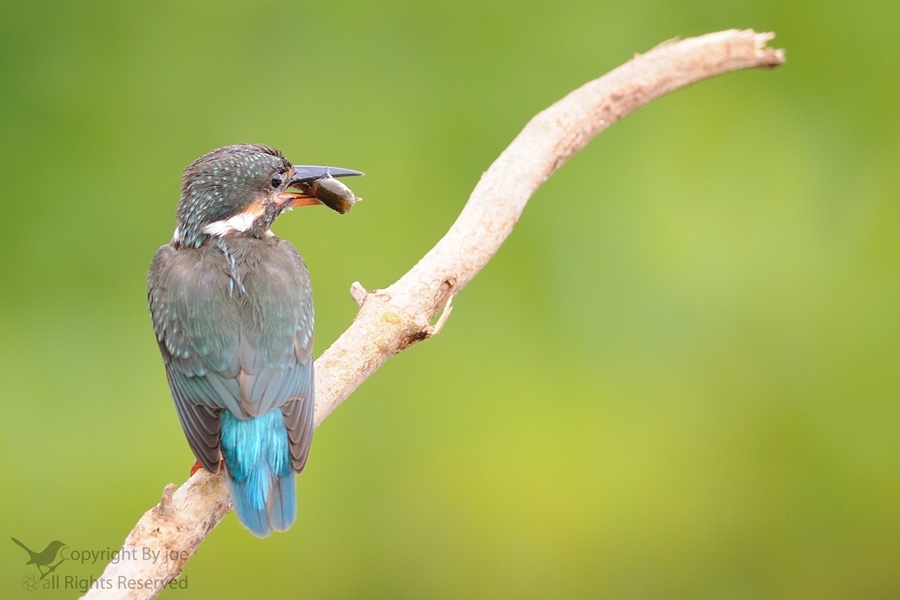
[679, 378]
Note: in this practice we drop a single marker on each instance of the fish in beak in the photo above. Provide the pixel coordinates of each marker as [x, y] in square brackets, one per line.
[310, 185]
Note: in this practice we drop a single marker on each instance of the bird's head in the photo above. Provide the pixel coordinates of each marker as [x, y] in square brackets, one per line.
[241, 190]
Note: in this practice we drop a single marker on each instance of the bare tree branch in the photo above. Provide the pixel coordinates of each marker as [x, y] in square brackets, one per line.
[397, 317]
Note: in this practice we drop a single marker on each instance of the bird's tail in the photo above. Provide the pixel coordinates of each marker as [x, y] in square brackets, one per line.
[260, 476]
[27, 549]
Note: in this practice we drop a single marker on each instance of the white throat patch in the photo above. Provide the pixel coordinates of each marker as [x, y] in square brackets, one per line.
[239, 222]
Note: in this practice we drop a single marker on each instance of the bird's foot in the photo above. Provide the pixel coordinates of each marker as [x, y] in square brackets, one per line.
[197, 466]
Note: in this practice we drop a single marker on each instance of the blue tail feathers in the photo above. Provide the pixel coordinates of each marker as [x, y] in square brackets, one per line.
[260, 477]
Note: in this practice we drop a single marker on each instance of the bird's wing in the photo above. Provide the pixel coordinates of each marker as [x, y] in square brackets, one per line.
[298, 417]
[298, 410]
[245, 347]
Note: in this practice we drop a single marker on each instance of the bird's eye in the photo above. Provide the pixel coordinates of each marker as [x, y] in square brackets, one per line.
[277, 180]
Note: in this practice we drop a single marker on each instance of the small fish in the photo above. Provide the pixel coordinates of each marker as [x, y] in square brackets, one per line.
[333, 194]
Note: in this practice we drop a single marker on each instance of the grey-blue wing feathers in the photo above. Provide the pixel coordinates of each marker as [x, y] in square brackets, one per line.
[234, 324]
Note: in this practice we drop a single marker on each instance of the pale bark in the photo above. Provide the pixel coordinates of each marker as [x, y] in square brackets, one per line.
[392, 319]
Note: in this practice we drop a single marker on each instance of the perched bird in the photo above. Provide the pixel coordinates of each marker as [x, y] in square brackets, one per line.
[44, 557]
[232, 310]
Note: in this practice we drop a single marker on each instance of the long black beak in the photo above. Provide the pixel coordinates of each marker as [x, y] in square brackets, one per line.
[307, 173]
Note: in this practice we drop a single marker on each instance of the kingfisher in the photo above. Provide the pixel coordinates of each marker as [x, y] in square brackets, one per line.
[232, 309]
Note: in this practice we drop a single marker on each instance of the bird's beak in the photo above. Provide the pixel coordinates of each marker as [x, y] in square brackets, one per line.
[311, 185]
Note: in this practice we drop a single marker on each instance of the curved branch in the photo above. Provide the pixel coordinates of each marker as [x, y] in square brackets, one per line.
[393, 319]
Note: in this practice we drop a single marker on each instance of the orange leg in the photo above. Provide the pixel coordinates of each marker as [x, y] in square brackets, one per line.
[197, 466]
